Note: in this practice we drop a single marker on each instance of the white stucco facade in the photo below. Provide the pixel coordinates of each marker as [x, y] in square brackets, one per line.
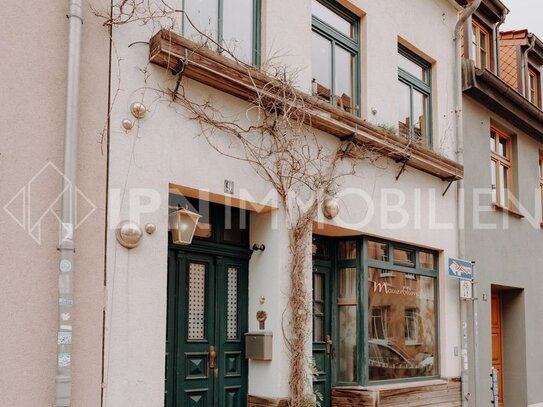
[164, 149]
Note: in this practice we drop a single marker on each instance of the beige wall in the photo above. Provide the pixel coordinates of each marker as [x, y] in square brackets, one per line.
[33, 45]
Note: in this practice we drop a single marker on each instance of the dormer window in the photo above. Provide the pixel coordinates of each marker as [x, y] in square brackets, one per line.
[480, 45]
[534, 86]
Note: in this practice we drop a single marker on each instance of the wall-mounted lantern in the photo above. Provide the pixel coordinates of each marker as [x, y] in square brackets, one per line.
[183, 225]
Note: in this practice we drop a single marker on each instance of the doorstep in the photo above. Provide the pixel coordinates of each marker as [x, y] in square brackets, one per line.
[436, 392]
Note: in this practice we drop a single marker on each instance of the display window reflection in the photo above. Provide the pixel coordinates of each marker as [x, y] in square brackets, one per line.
[402, 334]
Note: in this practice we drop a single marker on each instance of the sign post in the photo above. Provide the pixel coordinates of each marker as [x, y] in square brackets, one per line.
[464, 271]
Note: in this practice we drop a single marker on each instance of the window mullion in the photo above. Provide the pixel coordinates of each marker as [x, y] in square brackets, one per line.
[411, 114]
[333, 71]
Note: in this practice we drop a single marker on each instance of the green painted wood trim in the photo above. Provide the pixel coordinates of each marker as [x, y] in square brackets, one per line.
[421, 86]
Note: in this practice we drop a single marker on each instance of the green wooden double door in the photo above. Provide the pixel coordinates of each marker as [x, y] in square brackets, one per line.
[323, 346]
[207, 319]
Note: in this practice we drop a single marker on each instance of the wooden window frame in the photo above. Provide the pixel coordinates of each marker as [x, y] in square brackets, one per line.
[502, 161]
[349, 44]
[479, 28]
[424, 87]
[534, 93]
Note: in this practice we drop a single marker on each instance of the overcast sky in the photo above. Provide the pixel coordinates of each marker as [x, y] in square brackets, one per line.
[524, 14]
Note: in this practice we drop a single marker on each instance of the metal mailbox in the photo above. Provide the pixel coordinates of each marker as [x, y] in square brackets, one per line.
[258, 345]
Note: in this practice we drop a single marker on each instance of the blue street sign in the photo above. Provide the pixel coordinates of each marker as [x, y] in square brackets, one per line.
[460, 268]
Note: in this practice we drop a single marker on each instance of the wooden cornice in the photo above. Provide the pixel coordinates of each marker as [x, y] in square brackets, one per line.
[172, 51]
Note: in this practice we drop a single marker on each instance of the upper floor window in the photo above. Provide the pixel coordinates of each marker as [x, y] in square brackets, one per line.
[501, 167]
[534, 85]
[234, 24]
[335, 55]
[480, 45]
[414, 80]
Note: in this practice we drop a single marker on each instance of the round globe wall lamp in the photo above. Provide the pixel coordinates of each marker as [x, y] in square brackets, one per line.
[128, 234]
[330, 208]
[183, 225]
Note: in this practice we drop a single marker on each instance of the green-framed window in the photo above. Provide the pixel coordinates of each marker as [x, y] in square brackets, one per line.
[335, 55]
[415, 97]
[234, 24]
[386, 312]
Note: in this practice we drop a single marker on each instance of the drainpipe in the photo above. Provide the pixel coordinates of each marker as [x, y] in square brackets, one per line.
[497, 43]
[466, 14]
[67, 215]
[524, 70]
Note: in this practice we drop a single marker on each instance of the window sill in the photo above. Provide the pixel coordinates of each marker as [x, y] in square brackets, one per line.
[398, 385]
[170, 50]
[509, 211]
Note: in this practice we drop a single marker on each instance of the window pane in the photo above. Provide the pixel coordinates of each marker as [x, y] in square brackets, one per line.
[318, 307]
[483, 58]
[347, 286]
[427, 260]
[331, 18]
[232, 304]
[504, 185]
[320, 247]
[235, 224]
[413, 68]
[318, 287]
[321, 65]
[420, 110]
[404, 120]
[378, 251]
[379, 324]
[196, 301]
[492, 141]
[237, 28]
[347, 250]
[502, 148]
[404, 344]
[344, 78]
[494, 186]
[482, 40]
[473, 45]
[404, 257]
[204, 15]
[347, 344]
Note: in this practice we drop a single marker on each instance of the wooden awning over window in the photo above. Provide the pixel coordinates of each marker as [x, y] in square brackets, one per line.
[171, 51]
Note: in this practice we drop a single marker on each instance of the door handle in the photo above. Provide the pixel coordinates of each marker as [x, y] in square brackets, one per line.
[212, 357]
[328, 344]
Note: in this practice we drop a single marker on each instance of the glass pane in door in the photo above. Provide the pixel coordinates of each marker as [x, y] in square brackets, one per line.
[232, 304]
[347, 324]
[197, 301]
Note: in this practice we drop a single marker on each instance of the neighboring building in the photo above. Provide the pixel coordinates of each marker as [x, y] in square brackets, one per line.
[503, 132]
